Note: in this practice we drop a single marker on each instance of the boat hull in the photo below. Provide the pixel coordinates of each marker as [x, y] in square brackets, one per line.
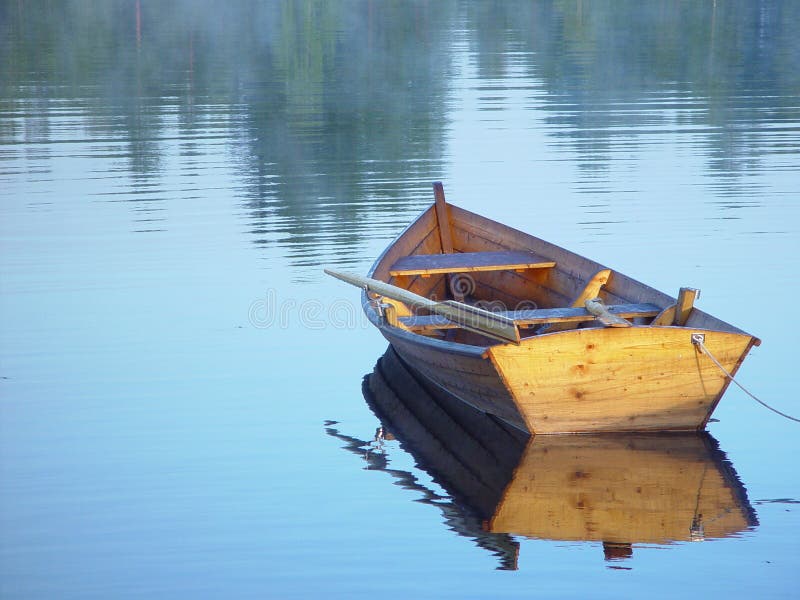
[608, 379]
[587, 380]
[472, 377]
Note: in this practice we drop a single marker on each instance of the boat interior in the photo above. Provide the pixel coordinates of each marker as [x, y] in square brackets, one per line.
[450, 254]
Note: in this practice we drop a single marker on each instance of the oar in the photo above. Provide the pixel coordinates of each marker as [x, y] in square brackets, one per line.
[469, 317]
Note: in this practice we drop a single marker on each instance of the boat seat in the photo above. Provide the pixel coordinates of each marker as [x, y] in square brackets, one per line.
[529, 318]
[467, 262]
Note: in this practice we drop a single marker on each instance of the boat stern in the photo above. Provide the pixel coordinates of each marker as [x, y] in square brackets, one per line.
[610, 379]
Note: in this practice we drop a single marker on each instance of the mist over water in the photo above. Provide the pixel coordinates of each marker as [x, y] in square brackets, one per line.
[170, 170]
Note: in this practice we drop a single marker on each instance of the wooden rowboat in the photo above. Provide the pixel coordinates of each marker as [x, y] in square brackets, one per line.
[541, 337]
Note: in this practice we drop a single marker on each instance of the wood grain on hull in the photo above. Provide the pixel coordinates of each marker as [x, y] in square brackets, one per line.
[632, 379]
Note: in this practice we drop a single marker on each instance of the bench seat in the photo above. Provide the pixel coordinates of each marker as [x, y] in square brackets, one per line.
[466, 262]
[529, 318]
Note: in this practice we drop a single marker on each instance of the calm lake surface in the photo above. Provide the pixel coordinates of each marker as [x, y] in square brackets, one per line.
[181, 405]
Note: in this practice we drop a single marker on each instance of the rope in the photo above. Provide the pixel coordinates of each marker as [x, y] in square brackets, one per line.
[697, 340]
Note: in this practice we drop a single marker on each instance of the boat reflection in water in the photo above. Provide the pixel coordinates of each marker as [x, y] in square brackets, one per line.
[618, 489]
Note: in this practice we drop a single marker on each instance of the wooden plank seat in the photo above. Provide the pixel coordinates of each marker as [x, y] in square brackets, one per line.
[529, 318]
[466, 262]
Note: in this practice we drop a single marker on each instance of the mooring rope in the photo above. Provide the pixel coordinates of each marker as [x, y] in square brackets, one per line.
[697, 340]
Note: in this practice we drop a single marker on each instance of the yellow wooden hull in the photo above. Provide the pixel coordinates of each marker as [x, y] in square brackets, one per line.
[587, 380]
[575, 377]
[634, 379]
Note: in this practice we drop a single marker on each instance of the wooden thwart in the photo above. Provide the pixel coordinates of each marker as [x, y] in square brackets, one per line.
[523, 318]
[467, 262]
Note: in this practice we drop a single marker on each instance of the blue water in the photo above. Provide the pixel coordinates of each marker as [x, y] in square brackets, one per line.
[174, 178]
